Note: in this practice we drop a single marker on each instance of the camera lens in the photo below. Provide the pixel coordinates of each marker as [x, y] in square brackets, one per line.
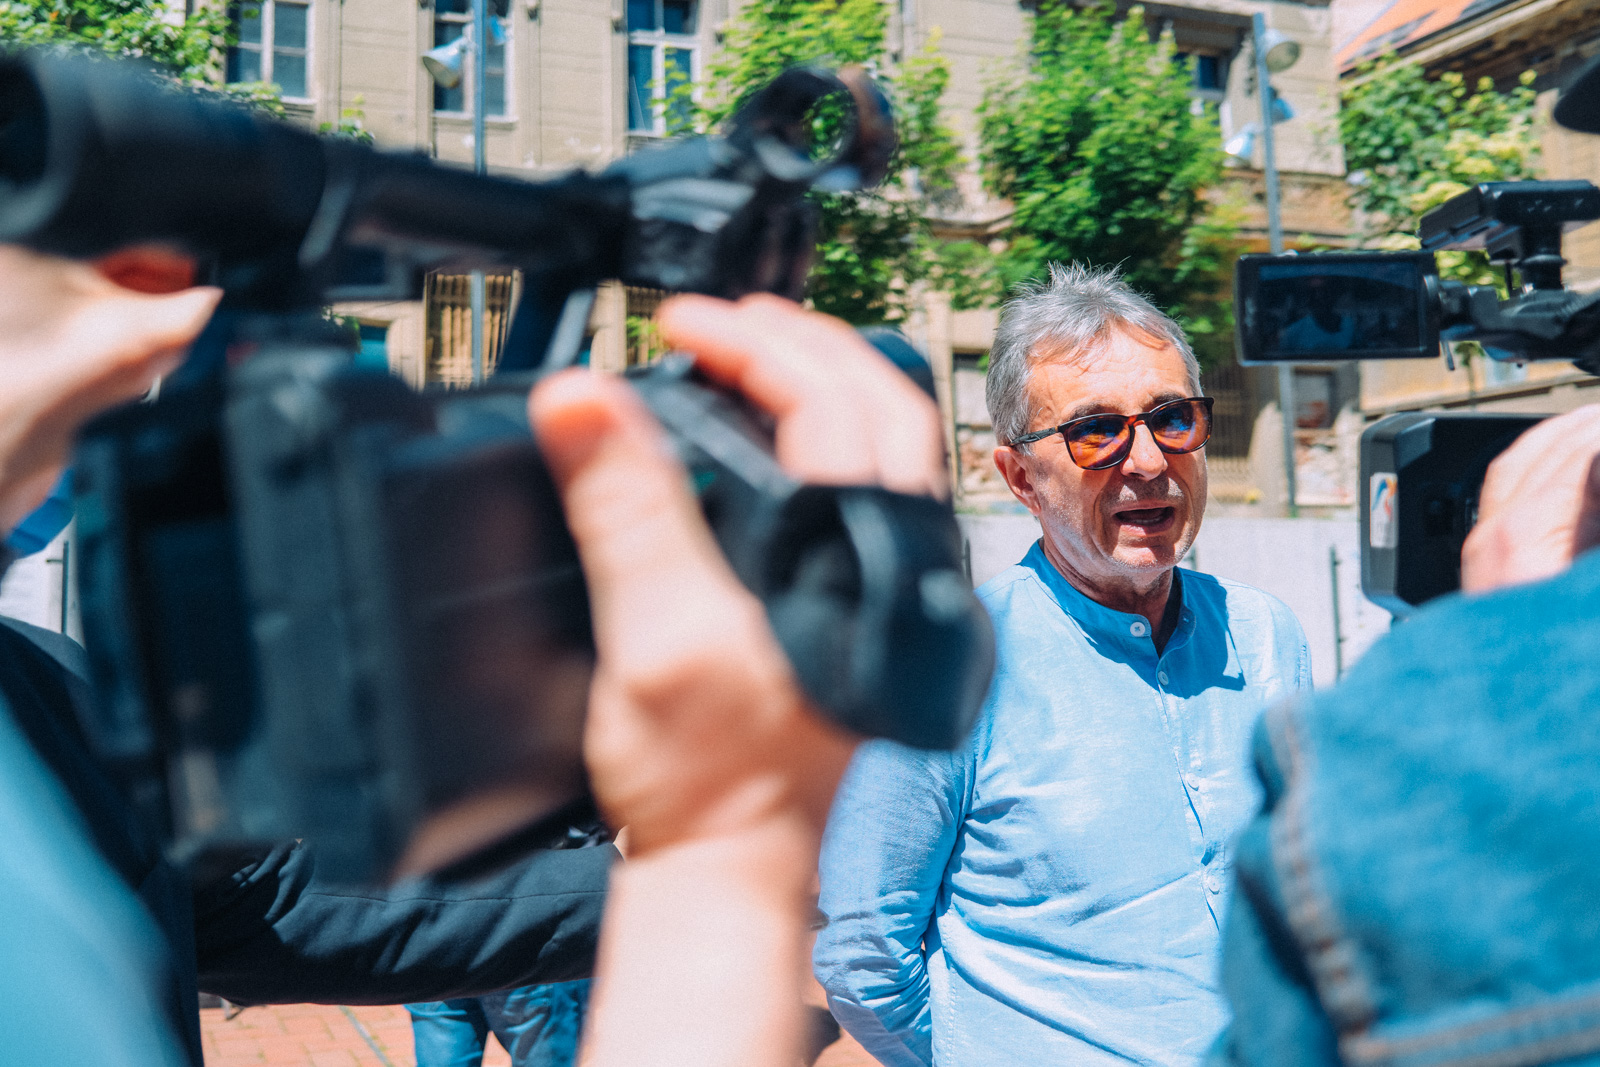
[22, 128]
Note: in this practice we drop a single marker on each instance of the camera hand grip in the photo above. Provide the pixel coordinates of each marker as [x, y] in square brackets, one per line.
[866, 592]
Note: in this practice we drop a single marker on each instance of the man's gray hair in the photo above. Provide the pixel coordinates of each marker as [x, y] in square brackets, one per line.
[1069, 316]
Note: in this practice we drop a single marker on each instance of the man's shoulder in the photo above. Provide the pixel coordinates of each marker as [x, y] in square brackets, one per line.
[1017, 584]
[1236, 603]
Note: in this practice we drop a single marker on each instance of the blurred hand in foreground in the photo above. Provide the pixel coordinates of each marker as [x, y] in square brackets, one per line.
[75, 340]
[1540, 505]
[699, 738]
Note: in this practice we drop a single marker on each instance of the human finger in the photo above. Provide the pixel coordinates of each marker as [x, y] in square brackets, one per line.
[1586, 535]
[903, 420]
[826, 443]
[1535, 505]
[153, 335]
[1553, 451]
[646, 551]
[845, 414]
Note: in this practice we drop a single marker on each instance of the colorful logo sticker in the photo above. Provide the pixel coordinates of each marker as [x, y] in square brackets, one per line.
[1383, 531]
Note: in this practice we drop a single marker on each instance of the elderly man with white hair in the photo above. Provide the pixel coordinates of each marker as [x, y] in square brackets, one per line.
[1053, 891]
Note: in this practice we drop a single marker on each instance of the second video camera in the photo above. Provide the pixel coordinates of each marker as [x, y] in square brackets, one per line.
[1421, 472]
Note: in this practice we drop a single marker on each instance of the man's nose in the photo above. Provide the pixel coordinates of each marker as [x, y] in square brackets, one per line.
[1145, 460]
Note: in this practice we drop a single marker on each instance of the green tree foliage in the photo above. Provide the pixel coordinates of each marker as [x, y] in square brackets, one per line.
[876, 244]
[1096, 140]
[1411, 142]
[186, 48]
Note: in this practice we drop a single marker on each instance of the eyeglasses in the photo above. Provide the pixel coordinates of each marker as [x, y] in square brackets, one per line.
[1096, 442]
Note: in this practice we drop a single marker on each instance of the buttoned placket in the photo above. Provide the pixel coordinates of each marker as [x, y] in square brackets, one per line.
[1209, 860]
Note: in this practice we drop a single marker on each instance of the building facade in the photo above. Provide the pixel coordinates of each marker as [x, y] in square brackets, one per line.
[1497, 39]
[569, 84]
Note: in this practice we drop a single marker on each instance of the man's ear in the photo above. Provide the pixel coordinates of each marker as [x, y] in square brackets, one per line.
[1013, 468]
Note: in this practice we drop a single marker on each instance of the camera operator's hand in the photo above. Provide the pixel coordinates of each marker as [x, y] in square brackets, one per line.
[699, 738]
[74, 341]
[1540, 504]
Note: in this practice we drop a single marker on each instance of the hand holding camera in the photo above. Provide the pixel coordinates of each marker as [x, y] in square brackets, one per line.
[1540, 505]
[72, 343]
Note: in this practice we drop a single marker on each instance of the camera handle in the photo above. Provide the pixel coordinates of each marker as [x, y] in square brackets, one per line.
[1541, 323]
[864, 587]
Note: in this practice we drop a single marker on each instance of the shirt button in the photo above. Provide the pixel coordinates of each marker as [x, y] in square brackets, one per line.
[1213, 882]
[1138, 629]
[1161, 677]
[1192, 780]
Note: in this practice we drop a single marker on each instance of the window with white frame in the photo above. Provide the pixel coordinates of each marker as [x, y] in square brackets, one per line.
[274, 44]
[452, 19]
[662, 57]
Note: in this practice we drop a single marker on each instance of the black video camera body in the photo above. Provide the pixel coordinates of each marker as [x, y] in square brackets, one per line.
[320, 604]
[1421, 472]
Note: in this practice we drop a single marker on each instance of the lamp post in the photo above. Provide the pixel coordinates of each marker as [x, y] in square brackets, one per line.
[480, 163]
[443, 65]
[1274, 53]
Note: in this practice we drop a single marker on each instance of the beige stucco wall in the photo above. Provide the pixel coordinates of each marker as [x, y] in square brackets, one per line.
[567, 72]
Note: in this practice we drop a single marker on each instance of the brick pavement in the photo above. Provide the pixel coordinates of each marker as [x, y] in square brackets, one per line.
[317, 1035]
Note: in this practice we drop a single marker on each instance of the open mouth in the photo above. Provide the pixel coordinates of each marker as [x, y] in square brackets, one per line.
[1148, 520]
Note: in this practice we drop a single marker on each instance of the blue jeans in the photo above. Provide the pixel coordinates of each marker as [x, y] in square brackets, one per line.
[1422, 885]
[539, 1025]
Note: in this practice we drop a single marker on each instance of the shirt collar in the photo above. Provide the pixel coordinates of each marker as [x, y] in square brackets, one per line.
[1097, 620]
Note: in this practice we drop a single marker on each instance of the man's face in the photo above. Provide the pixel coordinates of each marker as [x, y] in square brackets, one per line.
[1126, 524]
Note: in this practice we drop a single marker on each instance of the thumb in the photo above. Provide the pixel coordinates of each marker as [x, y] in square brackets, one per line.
[646, 550]
[1586, 531]
[155, 333]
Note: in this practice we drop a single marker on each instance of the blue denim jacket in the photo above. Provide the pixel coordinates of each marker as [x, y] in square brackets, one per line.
[1422, 886]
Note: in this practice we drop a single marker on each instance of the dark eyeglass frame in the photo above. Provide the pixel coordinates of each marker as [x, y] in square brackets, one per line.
[1128, 424]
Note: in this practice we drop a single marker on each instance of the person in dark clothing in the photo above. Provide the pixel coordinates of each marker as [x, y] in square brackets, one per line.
[270, 931]
[699, 738]
[87, 886]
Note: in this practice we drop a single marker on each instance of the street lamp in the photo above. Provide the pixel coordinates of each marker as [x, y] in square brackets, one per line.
[443, 65]
[1276, 53]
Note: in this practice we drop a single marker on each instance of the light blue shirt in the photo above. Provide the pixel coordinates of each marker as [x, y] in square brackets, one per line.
[1052, 892]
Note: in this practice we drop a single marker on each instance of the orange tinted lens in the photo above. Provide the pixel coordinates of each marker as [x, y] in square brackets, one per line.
[1180, 427]
[1098, 440]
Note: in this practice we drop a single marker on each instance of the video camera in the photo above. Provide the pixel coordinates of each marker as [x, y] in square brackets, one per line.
[1421, 472]
[320, 604]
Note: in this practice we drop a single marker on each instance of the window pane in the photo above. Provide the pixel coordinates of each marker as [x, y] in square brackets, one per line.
[679, 71]
[289, 72]
[1208, 72]
[244, 65]
[453, 7]
[289, 25]
[449, 99]
[642, 15]
[374, 351]
[445, 32]
[677, 16]
[247, 23]
[494, 84]
[641, 72]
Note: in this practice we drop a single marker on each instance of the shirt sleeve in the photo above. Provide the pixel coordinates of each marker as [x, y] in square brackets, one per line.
[273, 932]
[889, 840]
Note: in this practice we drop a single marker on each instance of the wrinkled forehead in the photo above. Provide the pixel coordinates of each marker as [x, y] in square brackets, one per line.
[1120, 361]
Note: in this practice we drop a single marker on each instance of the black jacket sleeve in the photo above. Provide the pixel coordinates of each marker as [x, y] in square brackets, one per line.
[271, 932]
